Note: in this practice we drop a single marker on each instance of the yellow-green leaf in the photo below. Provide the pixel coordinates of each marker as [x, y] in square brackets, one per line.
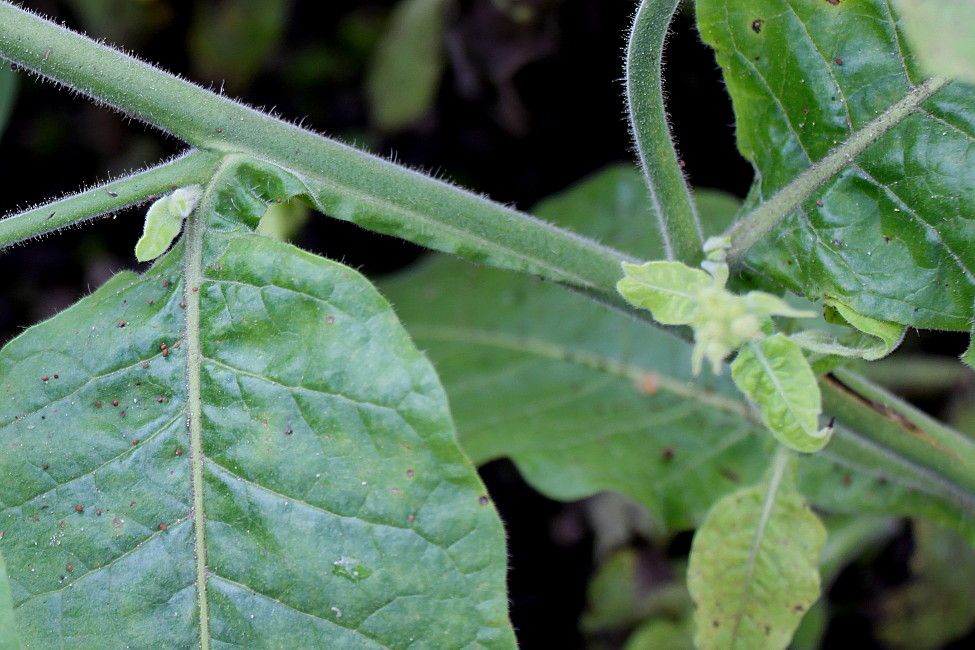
[774, 374]
[668, 289]
[753, 568]
[164, 220]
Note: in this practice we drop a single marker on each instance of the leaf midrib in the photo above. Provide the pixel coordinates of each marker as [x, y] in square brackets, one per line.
[195, 229]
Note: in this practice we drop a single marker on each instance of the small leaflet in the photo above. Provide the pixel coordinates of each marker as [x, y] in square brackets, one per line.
[874, 339]
[775, 374]
[164, 220]
[677, 294]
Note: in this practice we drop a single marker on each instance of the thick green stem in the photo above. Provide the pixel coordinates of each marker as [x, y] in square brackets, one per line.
[670, 198]
[194, 167]
[919, 445]
[759, 222]
[346, 183]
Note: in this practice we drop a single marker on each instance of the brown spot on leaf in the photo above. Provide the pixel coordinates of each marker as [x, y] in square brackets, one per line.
[648, 383]
[757, 25]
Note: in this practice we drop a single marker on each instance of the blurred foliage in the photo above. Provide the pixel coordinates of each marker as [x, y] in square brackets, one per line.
[937, 604]
[406, 68]
[233, 39]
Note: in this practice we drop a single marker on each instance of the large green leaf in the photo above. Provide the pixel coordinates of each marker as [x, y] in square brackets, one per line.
[892, 236]
[240, 447]
[584, 399]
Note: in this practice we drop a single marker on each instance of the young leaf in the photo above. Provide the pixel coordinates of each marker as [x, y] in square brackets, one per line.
[804, 76]
[874, 339]
[164, 220]
[8, 628]
[668, 289]
[678, 295]
[753, 569]
[242, 447]
[774, 374]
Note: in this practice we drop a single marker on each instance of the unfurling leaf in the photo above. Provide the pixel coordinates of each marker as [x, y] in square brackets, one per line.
[164, 220]
[871, 339]
[774, 374]
[677, 294]
[753, 568]
[668, 289]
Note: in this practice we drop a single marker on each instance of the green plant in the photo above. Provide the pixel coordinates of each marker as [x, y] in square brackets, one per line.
[278, 464]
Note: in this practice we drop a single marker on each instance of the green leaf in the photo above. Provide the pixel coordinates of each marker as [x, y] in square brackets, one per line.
[407, 65]
[754, 567]
[774, 374]
[581, 398]
[8, 627]
[890, 236]
[279, 441]
[584, 400]
[941, 32]
[668, 289]
[164, 220]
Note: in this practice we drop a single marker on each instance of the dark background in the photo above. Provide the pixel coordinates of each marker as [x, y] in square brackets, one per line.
[531, 108]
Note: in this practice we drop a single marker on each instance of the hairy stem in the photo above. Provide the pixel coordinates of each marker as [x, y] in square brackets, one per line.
[931, 451]
[347, 183]
[192, 167]
[670, 198]
[760, 221]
